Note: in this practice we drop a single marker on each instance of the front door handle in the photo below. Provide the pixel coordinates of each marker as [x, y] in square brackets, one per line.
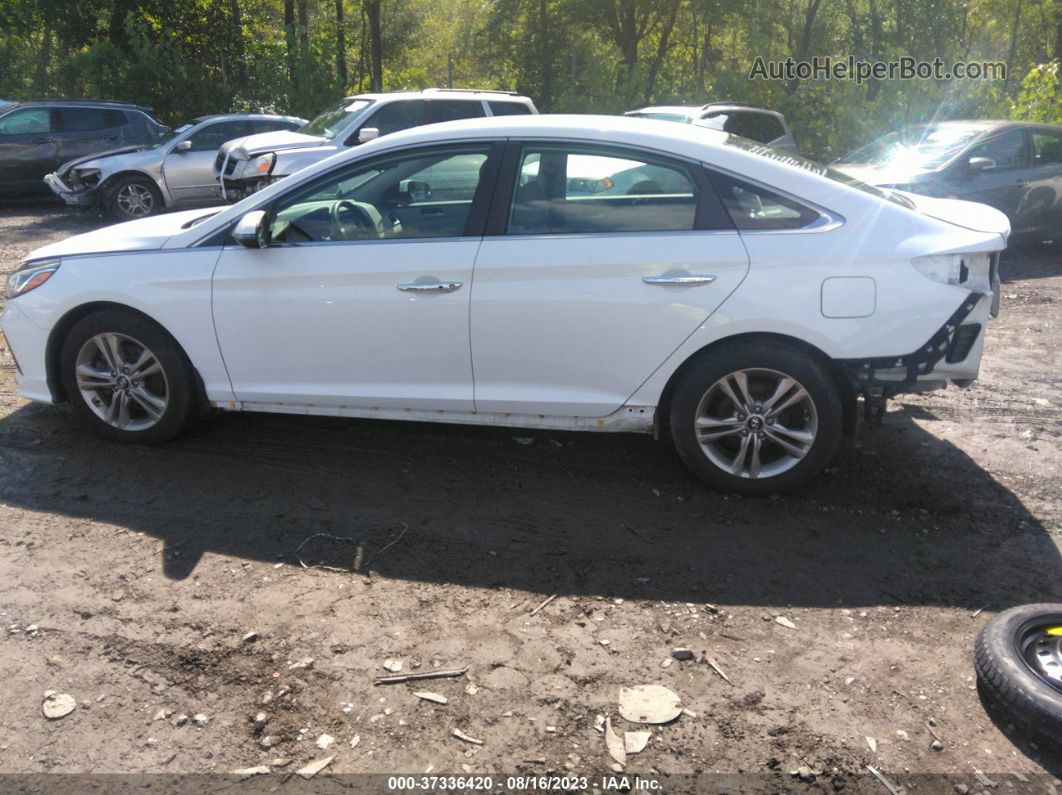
[430, 287]
[678, 279]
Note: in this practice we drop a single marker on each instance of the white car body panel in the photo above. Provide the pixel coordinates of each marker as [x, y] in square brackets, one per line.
[547, 331]
[330, 328]
[564, 325]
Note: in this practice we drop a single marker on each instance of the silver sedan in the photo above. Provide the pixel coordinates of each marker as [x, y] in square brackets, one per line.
[176, 170]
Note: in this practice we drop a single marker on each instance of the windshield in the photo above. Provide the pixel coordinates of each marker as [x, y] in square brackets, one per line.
[165, 135]
[782, 156]
[924, 147]
[329, 123]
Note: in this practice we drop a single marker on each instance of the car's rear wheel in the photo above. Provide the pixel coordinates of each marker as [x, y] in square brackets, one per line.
[127, 379]
[133, 197]
[756, 417]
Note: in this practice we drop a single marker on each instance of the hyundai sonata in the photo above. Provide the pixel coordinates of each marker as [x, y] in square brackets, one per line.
[576, 273]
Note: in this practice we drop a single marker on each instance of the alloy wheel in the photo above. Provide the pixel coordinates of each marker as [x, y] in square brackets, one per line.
[135, 200]
[122, 381]
[756, 423]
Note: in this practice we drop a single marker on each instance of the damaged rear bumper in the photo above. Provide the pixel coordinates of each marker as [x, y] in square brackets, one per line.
[953, 354]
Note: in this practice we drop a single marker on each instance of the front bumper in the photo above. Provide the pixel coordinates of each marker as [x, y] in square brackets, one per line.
[232, 190]
[953, 353]
[27, 343]
[83, 197]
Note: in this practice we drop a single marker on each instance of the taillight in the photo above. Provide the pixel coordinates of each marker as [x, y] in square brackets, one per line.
[972, 271]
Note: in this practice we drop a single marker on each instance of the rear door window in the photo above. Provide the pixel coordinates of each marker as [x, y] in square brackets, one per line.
[90, 119]
[271, 125]
[451, 109]
[577, 189]
[1047, 148]
[211, 137]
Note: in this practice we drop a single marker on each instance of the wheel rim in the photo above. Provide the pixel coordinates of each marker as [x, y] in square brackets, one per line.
[135, 200]
[1040, 646]
[122, 382]
[756, 423]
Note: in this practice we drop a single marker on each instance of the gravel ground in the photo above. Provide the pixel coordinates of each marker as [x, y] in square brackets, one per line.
[129, 578]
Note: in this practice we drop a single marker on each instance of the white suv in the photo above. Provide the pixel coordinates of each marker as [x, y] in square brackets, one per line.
[248, 164]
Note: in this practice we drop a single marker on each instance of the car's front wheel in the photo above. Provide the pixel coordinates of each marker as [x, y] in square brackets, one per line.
[756, 418]
[127, 379]
[133, 197]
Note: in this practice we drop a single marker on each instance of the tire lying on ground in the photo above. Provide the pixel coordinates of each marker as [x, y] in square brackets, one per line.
[1018, 657]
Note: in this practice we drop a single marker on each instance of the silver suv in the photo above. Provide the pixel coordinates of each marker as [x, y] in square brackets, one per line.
[245, 165]
[748, 121]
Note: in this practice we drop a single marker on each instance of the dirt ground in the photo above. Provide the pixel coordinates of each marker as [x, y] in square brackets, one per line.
[129, 578]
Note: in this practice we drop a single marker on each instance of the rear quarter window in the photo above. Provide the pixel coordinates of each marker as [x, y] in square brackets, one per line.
[757, 208]
[509, 109]
[762, 127]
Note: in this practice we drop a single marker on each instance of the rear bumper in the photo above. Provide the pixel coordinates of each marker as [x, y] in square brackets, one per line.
[76, 198]
[953, 353]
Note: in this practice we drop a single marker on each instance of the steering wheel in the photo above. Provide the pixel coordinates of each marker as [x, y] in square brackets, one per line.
[351, 222]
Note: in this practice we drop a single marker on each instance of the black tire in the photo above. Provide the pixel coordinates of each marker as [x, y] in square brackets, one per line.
[767, 355]
[180, 386]
[1009, 684]
[113, 206]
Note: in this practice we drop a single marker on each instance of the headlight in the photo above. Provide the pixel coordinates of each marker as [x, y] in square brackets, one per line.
[30, 278]
[84, 177]
[257, 166]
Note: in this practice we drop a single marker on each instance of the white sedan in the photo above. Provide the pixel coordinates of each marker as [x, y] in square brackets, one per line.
[576, 273]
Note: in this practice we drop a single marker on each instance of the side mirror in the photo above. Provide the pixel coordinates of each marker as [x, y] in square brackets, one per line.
[981, 163]
[366, 134]
[252, 230]
[183, 146]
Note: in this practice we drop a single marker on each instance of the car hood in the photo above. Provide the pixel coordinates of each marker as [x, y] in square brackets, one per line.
[968, 215]
[251, 145]
[144, 234]
[90, 160]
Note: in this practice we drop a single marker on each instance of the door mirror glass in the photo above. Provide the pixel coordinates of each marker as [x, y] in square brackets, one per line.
[183, 146]
[252, 230]
[418, 190]
[366, 134]
[981, 163]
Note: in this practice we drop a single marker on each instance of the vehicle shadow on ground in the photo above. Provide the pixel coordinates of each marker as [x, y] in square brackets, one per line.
[904, 518]
[1030, 261]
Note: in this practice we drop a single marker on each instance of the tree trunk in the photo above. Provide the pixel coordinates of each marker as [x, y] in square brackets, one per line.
[804, 46]
[44, 62]
[304, 33]
[341, 47]
[236, 20]
[544, 60]
[372, 10]
[289, 38]
[1012, 51]
[661, 48]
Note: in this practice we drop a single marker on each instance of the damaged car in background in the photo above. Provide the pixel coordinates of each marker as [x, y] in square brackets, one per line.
[249, 164]
[176, 169]
[628, 275]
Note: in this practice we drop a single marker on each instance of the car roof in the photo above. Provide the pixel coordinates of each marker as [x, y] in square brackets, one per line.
[250, 116]
[448, 93]
[99, 103]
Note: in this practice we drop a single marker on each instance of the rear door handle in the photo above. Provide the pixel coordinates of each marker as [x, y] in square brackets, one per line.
[430, 287]
[677, 279]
